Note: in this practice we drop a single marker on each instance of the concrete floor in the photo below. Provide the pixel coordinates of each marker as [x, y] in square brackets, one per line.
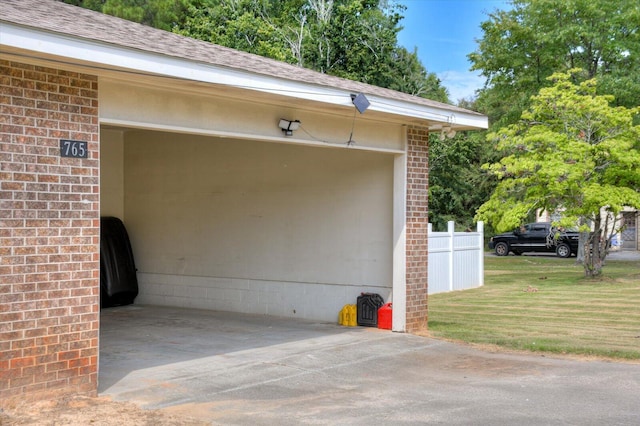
[239, 369]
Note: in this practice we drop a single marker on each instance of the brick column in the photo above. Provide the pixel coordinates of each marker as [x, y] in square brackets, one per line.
[49, 234]
[417, 227]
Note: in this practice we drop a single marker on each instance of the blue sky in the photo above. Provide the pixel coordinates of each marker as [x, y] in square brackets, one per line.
[444, 31]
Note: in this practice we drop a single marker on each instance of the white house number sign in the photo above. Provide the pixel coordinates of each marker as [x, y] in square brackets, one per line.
[73, 149]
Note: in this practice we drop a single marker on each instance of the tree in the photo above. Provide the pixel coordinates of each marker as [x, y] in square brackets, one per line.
[408, 75]
[162, 14]
[574, 153]
[353, 39]
[87, 4]
[246, 25]
[457, 183]
[523, 46]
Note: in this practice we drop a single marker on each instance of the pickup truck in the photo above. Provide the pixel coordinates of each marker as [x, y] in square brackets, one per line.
[536, 237]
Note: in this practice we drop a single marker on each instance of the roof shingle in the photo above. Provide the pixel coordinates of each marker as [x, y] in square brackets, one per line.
[59, 17]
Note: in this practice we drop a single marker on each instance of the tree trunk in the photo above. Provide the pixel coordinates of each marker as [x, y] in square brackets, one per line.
[593, 260]
[582, 242]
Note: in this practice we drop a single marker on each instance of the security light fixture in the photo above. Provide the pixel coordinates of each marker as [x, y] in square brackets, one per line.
[289, 126]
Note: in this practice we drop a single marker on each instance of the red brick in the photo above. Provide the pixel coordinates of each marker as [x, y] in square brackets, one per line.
[57, 384]
[47, 322]
[37, 314]
[33, 175]
[68, 373]
[63, 356]
[21, 381]
[46, 359]
[45, 377]
[35, 332]
[88, 370]
[417, 223]
[22, 362]
[56, 79]
[9, 355]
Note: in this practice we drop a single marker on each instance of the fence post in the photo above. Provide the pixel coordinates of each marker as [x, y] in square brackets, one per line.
[481, 253]
[451, 231]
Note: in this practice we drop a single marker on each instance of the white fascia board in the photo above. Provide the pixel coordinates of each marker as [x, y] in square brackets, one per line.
[109, 57]
[454, 119]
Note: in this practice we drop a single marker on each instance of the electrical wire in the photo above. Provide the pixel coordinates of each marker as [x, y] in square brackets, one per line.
[353, 124]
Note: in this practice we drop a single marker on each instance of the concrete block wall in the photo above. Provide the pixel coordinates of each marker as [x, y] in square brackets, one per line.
[256, 227]
[314, 301]
[49, 234]
[417, 228]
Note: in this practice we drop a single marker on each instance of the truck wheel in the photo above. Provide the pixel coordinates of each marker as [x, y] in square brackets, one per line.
[563, 250]
[502, 249]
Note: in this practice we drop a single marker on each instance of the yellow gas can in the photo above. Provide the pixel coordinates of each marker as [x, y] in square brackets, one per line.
[348, 316]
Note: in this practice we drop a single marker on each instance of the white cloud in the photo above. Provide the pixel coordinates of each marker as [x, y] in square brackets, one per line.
[460, 84]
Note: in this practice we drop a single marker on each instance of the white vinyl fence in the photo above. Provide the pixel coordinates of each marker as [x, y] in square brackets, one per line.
[456, 259]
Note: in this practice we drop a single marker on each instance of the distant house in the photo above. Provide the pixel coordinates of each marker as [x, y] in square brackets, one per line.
[629, 236]
[183, 141]
[625, 229]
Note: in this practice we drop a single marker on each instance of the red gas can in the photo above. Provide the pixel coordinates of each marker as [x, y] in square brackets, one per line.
[385, 314]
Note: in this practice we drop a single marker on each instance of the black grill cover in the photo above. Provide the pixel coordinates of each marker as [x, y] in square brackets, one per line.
[118, 280]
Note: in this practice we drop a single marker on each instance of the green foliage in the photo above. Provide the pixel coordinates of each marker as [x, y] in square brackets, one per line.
[518, 52]
[407, 75]
[157, 13]
[242, 24]
[457, 184]
[357, 40]
[521, 47]
[87, 4]
[571, 152]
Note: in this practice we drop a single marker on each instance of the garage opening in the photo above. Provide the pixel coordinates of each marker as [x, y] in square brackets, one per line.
[249, 226]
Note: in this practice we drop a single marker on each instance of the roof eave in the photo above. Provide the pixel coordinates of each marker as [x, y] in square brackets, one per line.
[112, 57]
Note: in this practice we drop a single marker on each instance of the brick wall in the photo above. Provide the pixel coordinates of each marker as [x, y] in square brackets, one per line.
[49, 234]
[417, 228]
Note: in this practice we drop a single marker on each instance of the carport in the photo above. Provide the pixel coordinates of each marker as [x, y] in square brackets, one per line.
[181, 139]
[242, 221]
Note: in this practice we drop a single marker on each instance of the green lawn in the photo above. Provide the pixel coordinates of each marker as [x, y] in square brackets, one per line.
[545, 304]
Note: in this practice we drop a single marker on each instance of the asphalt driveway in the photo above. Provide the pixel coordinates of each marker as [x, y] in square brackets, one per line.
[240, 369]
